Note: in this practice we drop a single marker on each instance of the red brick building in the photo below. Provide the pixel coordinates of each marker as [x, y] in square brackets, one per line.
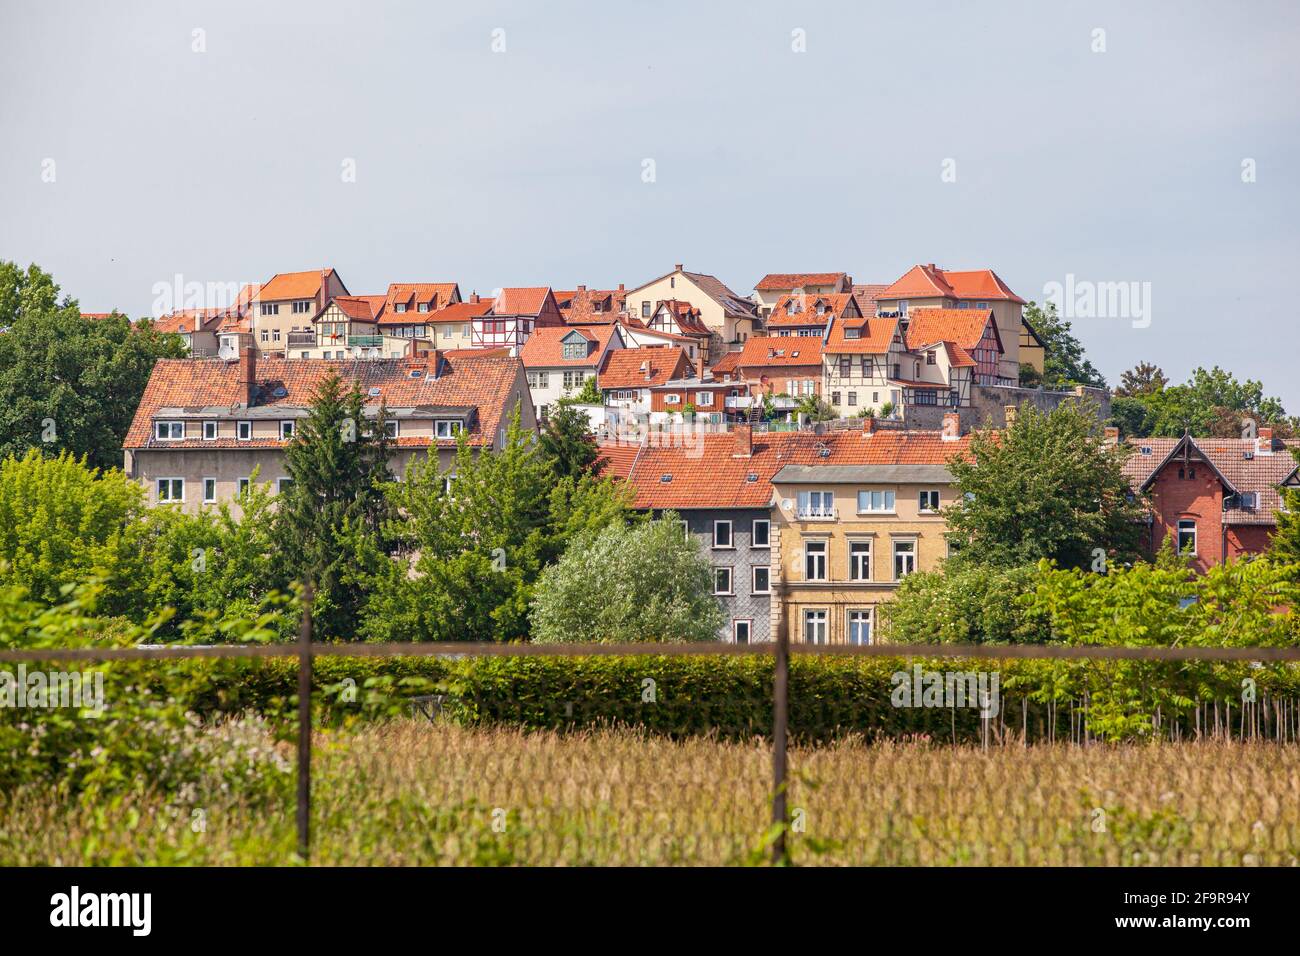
[1216, 497]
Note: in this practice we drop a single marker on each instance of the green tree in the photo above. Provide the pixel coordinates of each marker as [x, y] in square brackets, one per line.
[645, 582]
[1134, 416]
[1047, 487]
[1142, 379]
[962, 604]
[63, 522]
[1284, 544]
[567, 441]
[816, 408]
[589, 394]
[331, 519]
[69, 383]
[1065, 363]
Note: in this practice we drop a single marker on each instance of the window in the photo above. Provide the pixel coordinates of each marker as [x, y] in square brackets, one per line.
[814, 626]
[301, 306]
[760, 534]
[859, 560]
[169, 431]
[852, 333]
[703, 398]
[422, 307]
[574, 379]
[929, 357]
[904, 559]
[209, 430]
[282, 483]
[814, 561]
[244, 485]
[575, 350]
[244, 430]
[929, 501]
[672, 399]
[902, 306]
[761, 579]
[171, 489]
[275, 335]
[859, 626]
[645, 310]
[270, 308]
[538, 379]
[876, 501]
[447, 428]
[722, 580]
[835, 398]
[305, 355]
[399, 306]
[816, 504]
[286, 430]
[722, 534]
[1187, 537]
[392, 428]
[853, 398]
[740, 631]
[209, 490]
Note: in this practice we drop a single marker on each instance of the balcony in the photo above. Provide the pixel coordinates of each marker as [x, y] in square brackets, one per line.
[302, 340]
[365, 341]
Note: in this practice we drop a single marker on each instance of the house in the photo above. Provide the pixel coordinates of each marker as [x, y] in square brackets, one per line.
[781, 365]
[453, 325]
[288, 303]
[512, 317]
[196, 327]
[698, 394]
[928, 286]
[720, 487]
[1216, 498]
[411, 302]
[810, 315]
[682, 321]
[950, 349]
[348, 327]
[728, 316]
[204, 426]
[558, 360]
[779, 285]
[638, 335]
[856, 512]
[583, 306]
[626, 377]
[861, 360]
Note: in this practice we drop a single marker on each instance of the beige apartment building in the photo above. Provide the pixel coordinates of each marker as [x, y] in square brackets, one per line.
[854, 513]
[286, 305]
[205, 427]
[728, 316]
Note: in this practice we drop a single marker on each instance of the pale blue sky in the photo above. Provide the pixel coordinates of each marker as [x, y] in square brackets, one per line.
[525, 167]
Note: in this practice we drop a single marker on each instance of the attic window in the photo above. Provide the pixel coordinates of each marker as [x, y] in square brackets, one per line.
[413, 373]
[664, 479]
[374, 392]
[751, 477]
[1146, 449]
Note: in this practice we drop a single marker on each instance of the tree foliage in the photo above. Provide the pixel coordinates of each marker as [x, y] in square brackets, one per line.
[1065, 364]
[1212, 404]
[646, 582]
[66, 382]
[567, 441]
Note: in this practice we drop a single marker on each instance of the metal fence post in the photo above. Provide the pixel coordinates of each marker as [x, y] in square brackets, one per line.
[780, 726]
[304, 726]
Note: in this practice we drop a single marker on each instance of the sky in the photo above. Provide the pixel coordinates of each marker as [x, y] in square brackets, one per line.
[1064, 145]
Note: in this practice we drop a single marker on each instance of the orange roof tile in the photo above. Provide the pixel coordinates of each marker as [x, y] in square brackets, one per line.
[776, 281]
[929, 281]
[642, 368]
[802, 310]
[293, 285]
[875, 336]
[965, 327]
[364, 308]
[434, 294]
[456, 312]
[545, 347]
[521, 301]
[778, 351]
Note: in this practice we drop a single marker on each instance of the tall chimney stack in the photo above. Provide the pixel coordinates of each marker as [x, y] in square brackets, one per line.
[951, 426]
[699, 365]
[1264, 443]
[869, 425]
[744, 435]
[677, 267]
[247, 370]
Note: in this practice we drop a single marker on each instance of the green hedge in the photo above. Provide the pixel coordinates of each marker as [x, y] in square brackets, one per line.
[732, 696]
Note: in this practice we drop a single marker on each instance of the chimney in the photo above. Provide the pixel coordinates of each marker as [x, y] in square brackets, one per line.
[744, 441]
[677, 267]
[1010, 414]
[582, 288]
[930, 266]
[474, 298]
[248, 371]
[620, 287]
[198, 323]
[951, 426]
[869, 425]
[1111, 436]
[1264, 443]
[699, 365]
[324, 289]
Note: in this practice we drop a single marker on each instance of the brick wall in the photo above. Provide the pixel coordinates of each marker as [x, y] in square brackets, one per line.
[1189, 491]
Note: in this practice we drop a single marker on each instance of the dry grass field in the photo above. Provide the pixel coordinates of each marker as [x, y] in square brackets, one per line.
[410, 792]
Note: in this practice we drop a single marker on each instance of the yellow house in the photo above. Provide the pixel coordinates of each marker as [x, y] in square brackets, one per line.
[287, 304]
[730, 317]
[853, 519]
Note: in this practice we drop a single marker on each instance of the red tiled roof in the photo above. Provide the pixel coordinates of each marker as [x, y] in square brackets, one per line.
[579, 305]
[412, 294]
[805, 309]
[705, 472]
[1260, 473]
[929, 281]
[965, 327]
[726, 364]
[545, 347]
[293, 285]
[876, 335]
[685, 315]
[183, 321]
[618, 457]
[456, 312]
[521, 301]
[623, 367]
[364, 308]
[466, 379]
[777, 351]
[776, 281]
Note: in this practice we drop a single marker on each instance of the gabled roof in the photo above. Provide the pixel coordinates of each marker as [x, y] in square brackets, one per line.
[867, 295]
[579, 305]
[641, 368]
[929, 281]
[795, 310]
[875, 336]
[545, 347]
[182, 322]
[465, 380]
[363, 308]
[294, 285]
[776, 281]
[521, 301]
[1228, 461]
[780, 351]
[965, 327]
[726, 364]
[684, 314]
[456, 312]
[412, 294]
[732, 304]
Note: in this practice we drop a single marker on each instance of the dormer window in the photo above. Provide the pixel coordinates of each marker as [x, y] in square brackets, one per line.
[169, 431]
[852, 333]
[423, 307]
[575, 350]
[399, 306]
[447, 428]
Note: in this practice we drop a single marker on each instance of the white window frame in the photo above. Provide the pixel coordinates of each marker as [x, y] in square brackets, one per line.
[290, 425]
[766, 524]
[749, 630]
[731, 579]
[672, 398]
[169, 482]
[870, 554]
[753, 579]
[848, 625]
[1180, 530]
[169, 426]
[894, 548]
[279, 483]
[216, 430]
[823, 551]
[888, 501]
[209, 500]
[818, 616]
[731, 536]
[704, 398]
[453, 428]
[242, 426]
[825, 509]
[924, 495]
[243, 486]
[392, 428]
